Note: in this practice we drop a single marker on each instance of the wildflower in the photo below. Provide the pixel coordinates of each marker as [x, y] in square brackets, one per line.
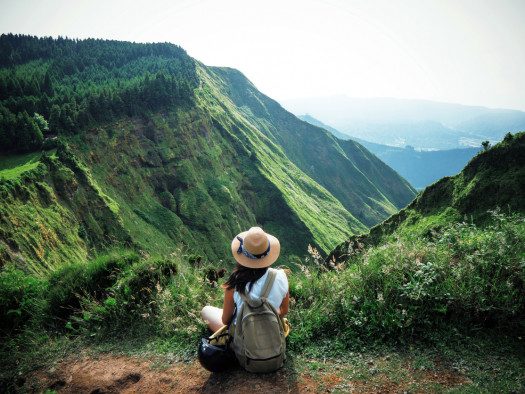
[314, 253]
[380, 298]
[305, 270]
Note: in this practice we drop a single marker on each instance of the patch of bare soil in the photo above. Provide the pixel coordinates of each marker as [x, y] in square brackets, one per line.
[118, 374]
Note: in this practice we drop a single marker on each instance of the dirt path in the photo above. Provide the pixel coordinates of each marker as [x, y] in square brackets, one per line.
[112, 374]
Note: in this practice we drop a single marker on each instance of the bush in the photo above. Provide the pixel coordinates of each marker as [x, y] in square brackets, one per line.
[463, 279]
[49, 143]
[165, 295]
[20, 299]
[70, 284]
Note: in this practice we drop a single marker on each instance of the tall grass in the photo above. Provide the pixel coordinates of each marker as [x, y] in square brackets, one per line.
[458, 281]
[462, 279]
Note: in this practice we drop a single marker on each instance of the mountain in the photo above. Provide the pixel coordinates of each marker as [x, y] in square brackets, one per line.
[421, 168]
[494, 179]
[158, 152]
[422, 124]
[363, 184]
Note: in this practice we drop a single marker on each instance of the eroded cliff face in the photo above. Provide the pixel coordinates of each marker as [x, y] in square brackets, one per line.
[56, 214]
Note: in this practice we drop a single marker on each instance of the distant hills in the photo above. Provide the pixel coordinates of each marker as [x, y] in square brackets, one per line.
[421, 168]
[421, 124]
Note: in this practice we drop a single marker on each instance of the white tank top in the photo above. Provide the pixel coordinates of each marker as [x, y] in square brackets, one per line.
[277, 293]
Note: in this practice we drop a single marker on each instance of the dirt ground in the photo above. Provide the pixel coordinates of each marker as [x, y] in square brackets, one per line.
[117, 374]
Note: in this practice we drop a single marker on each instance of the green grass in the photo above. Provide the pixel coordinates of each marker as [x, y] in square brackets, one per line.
[446, 298]
[40, 230]
[13, 166]
[464, 277]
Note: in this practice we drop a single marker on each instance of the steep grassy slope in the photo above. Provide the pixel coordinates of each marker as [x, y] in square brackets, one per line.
[366, 192]
[178, 178]
[181, 178]
[188, 167]
[494, 179]
[56, 213]
[202, 174]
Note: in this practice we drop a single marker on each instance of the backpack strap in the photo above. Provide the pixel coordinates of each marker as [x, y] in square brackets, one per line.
[272, 274]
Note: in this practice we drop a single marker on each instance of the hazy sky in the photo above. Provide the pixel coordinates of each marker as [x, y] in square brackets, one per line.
[463, 51]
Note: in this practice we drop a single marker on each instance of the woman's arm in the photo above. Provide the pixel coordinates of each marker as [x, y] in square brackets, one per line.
[283, 309]
[228, 309]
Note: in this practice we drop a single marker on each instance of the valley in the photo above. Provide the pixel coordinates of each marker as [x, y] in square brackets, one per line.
[419, 167]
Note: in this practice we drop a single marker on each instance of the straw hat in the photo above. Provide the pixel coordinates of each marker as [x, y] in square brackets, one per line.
[255, 249]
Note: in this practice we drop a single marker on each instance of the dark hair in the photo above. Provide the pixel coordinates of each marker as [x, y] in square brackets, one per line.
[243, 276]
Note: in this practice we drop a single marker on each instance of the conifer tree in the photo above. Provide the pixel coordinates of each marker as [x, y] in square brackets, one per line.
[47, 86]
[54, 119]
[41, 122]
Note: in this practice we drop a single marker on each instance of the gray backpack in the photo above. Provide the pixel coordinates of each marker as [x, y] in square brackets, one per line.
[259, 341]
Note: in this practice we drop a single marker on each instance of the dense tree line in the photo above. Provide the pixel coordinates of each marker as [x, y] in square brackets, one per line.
[60, 86]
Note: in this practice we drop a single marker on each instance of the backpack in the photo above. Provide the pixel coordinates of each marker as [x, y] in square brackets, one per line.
[259, 341]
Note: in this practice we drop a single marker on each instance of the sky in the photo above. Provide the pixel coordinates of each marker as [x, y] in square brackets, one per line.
[468, 52]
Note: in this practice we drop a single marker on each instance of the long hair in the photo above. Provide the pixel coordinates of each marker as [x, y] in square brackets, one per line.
[243, 276]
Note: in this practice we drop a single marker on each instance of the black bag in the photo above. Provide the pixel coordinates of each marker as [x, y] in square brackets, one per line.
[215, 357]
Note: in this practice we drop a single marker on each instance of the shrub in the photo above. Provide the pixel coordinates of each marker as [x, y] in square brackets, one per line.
[462, 279]
[49, 143]
[20, 299]
[162, 295]
[68, 285]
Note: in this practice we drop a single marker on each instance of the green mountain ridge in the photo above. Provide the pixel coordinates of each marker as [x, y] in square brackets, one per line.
[189, 168]
[365, 189]
[492, 180]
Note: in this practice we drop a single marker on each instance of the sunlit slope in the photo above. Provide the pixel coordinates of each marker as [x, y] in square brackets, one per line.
[148, 160]
[180, 179]
[370, 190]
[494, 179]
[54, 214]
[314, 206]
